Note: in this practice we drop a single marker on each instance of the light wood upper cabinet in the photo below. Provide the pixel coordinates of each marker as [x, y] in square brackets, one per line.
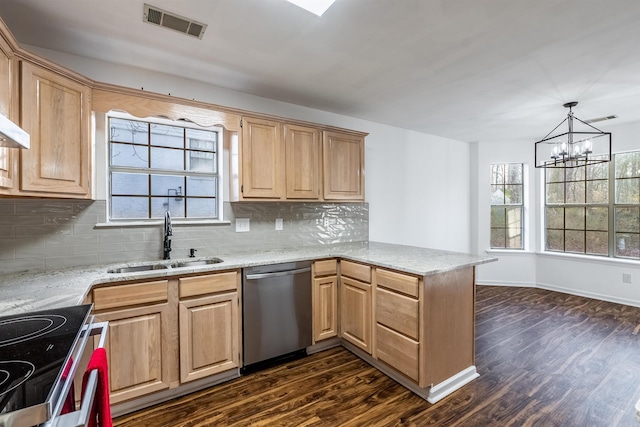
[8, 156]
[343, 166]
[303, 162]
[56, 112]
[262, 159]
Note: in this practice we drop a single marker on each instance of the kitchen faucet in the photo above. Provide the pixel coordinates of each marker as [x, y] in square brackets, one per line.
[168, 232]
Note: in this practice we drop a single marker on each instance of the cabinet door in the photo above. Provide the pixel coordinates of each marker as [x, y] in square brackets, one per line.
[355, 313]
[325, 308]
[262, 164]
[343, 166]
[209, 336]
[8, 156]
[302, 148]
[55, 111]
[138, 349]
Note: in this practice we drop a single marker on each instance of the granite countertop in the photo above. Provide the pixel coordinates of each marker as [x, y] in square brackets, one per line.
[28, 291]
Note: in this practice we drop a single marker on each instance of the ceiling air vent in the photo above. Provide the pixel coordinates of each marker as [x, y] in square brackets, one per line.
[601, 119]
[157, 16]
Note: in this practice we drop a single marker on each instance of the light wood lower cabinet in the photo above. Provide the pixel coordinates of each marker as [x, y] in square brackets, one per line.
[325, 299]
[208, 336]
[355, 313]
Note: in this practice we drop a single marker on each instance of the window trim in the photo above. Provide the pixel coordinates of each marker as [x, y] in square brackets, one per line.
[134, 222]
[522, 205]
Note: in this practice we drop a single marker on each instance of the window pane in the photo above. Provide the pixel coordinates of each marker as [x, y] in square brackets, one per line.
[575, 192]
[498, 238]
[129, 207]
[122, 130]
[598, 242]
[167, 136]
[167, 185]
[627, 220]
[159, 205]
[514, 238]
[574, 241]
[513, 173]
[555, 218]
[167, 158]
[574, 218]
[574, 174]
[555, 240]
[201, 208]
[497, 174]
[498, 217]
[201, 161]
[127, 155]
[628, 245]
[555, 193]
[627, 165]
[628, 191]
[201, 186]
[598, 218]
[497, 195]
[130, 183]
[598, 191]
[202, 140]
[513, 194]
[514, 217]
[554, 174]
[598, 171]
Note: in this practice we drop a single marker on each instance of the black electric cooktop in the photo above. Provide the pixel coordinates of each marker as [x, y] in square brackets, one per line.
[34, 349]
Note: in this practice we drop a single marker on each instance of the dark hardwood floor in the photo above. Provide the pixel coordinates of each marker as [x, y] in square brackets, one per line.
[544, 358]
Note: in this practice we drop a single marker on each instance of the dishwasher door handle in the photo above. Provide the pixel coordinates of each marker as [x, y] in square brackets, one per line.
[277, 274]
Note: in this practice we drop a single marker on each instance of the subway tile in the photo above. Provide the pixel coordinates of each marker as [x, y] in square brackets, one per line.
[56, 263]
[21, 220]
[31, 207]
[70, 240]
[43, 230]
[7, 231]
[97, 248]
[7, 208]
[15, 266]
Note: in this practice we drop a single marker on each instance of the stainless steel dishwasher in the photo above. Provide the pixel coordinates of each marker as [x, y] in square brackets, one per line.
[276, 312]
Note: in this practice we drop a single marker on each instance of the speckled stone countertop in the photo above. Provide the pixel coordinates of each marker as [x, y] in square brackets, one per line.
[28, 291]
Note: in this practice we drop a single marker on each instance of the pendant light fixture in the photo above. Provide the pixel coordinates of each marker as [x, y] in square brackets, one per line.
[581, 145]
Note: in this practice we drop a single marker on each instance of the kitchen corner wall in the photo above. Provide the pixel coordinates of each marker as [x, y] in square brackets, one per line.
[46, 235]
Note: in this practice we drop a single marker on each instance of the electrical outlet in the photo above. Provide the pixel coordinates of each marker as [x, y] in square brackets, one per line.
[626, 278]
[278, 224]
[242, 225]
[329, 221]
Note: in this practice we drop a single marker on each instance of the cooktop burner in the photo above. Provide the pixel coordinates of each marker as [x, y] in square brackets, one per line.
[34, 347]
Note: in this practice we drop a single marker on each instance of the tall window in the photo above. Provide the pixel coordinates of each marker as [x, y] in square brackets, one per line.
[595, 209]
[154, 168]
[507, 208]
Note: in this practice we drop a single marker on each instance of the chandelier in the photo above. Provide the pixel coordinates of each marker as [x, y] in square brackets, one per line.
[581, 145]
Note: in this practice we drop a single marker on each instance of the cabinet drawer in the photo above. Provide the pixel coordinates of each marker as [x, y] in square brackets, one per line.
[355, 271]
[209, 284]
[398, 312]
[397, 351]
[327, 267]
[397, 282]
[133, 294]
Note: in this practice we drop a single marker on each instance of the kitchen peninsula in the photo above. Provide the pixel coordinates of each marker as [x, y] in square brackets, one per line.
[414, 308]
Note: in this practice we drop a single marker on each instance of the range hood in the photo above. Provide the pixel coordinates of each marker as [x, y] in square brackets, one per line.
[12, 135]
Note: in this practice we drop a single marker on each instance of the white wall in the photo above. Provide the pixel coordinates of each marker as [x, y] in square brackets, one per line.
[417, 185]
[588, 276]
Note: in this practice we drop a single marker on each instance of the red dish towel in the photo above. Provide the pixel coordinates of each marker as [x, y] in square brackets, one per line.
[70, 401]
[101, 411]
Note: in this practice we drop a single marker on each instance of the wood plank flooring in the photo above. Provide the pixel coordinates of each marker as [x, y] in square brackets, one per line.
[544, 358]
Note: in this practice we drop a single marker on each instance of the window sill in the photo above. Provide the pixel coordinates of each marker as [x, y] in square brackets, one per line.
[154, 223]
[508, 251]
[589, 258]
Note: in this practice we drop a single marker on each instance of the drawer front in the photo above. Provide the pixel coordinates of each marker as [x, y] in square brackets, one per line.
[355, 271]
[327, 267]
[209, 284]
[127, 295]
[398, 351]
[398, 312]
[397, 282]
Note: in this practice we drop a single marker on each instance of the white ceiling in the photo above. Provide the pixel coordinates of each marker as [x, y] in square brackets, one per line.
[471, 70]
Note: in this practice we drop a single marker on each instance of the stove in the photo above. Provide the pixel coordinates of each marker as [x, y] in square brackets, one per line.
[34, 350]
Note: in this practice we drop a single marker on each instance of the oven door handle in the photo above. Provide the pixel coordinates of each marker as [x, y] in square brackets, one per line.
[80, 418]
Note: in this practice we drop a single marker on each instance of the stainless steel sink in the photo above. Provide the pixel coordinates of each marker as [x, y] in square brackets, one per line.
[138, 268]
[198, 262]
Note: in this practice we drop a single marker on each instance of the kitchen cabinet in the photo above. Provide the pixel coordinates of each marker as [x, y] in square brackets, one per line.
[343, 166]
[56, 112]
[303, 162]
[209, 325]
[356, 304]
[262, 159]
[325, 299]
[8, 156]
[166, 333]
[139, 339]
